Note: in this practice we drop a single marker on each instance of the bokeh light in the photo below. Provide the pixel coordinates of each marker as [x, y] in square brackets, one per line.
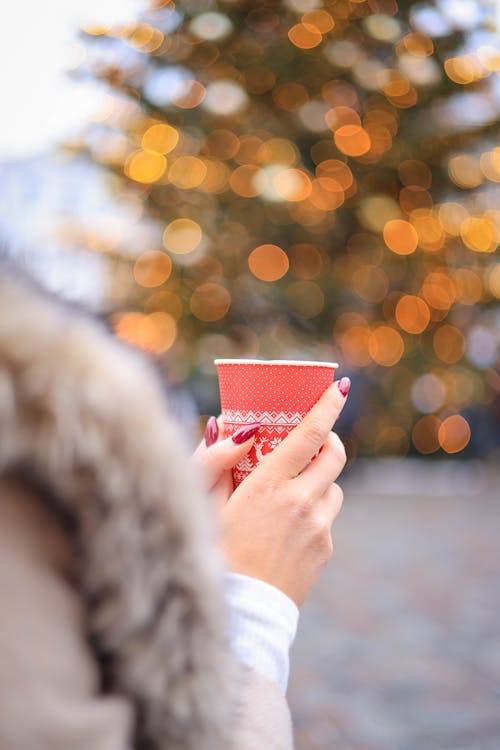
[145, 166]
[182, 236]
[439, 290]
[400, 236]
[160, 137]
[428, 393]
[465, 171]
[211, 26]
[370, 283]
[352, 140]
[482, 346]
[412, 314]
[386, 346]
[454, 433]
[224, 98]
[309, 179]
[187, 172]
[268, 262]
[292, 185]
[152, 268]
[425, 434]
[305, 35]
[449, 343]
[306, 260]
[155, 332]
[210, 302]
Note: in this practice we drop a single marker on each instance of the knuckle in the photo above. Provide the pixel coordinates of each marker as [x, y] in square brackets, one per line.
[324, 545]
[336, 498]
[329, 550]
[338, 494]
[328, 546]
[338, 446]
[320, 530]
[317, 528]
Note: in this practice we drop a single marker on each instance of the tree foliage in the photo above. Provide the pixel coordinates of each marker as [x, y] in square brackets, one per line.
[312, 179]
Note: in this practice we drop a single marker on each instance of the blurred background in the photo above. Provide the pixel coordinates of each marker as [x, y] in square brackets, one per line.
[302, 179]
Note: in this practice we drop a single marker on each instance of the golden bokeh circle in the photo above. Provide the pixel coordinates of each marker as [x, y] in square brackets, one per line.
[182, 236]
[449, 343]
[152, 268]
[354, 342]
[425, 434]
[160, 137]
[210, 302]
[268, 262]
[145, 166]
[454, 434]
[386, 346]
[412, 314]
[439, 290]
[305, 35]
[400, 236]
[155, 332]
[352, 140]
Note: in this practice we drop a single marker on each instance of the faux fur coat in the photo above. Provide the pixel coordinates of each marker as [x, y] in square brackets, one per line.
[111, 611]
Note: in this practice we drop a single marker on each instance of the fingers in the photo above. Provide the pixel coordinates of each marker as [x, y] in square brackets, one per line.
[211, 432]
[214, 431]
[295, 452]
[324, 470]
[328, 510]
[318, 518]
[332, 503]
[224, 454]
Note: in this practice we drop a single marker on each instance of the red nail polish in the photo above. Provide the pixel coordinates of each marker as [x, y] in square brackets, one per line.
[245, 433]
[344, 386]
[211, 432]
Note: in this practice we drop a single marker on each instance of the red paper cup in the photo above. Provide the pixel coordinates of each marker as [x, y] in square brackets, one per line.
[276, 393]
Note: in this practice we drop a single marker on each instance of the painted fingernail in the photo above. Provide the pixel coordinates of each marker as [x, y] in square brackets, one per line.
[211, 432]
[344, 385]
[245, 433]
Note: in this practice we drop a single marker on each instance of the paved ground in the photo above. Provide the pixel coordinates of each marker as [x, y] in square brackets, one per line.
[399, 646]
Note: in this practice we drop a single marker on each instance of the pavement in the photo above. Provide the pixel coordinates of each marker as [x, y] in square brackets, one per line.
[399, 644]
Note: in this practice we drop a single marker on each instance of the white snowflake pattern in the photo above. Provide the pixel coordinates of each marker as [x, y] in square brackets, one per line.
[274, 442]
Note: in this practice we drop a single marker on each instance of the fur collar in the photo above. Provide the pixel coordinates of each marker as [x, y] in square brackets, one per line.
[87, 417]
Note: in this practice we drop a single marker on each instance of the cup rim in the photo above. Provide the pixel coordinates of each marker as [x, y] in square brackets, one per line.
[283, 362]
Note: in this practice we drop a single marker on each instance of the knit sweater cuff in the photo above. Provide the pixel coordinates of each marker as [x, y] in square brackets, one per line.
[262, 626]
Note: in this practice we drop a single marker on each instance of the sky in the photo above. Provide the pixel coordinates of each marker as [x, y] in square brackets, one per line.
[40, 105]
[37, 40]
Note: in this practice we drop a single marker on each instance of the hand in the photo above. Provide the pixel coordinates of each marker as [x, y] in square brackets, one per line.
[276, 526]
[217, 456]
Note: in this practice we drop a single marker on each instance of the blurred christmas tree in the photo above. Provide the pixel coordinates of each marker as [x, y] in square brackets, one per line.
[311, 179]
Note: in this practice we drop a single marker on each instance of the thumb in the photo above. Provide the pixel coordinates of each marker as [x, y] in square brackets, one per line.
[224, 454]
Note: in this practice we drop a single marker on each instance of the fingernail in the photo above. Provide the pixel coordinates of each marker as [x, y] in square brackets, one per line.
[245, 433]
[211, 432]
[344, 386]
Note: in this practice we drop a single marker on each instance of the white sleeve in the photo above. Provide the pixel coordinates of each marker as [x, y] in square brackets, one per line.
[262, 626]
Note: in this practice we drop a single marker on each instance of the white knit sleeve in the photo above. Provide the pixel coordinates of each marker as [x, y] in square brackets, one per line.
[262, 626]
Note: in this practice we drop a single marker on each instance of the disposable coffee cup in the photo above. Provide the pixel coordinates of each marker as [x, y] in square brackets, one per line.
[277, 393]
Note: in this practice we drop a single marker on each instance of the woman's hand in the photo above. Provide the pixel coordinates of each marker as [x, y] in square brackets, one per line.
[276, 526]
[217, 455]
